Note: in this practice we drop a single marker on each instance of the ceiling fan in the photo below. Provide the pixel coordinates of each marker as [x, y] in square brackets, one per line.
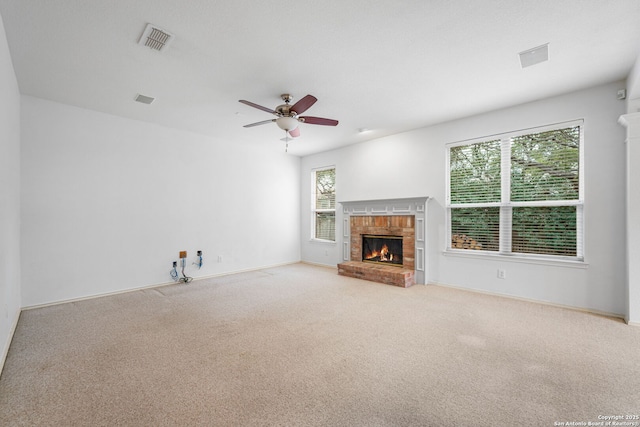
[288, 116]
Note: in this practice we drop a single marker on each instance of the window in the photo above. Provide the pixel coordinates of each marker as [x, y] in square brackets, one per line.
[518, 193]
[324, 204]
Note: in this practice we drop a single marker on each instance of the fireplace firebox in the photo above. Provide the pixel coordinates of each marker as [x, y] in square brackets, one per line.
[382, 249]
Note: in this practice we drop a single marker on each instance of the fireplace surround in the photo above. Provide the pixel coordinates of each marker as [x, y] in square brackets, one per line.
[402, 219]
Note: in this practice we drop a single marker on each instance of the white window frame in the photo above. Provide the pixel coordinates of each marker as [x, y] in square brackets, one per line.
[506, 205]
[314, 210]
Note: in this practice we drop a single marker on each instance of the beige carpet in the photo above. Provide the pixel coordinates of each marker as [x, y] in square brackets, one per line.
[299, 345]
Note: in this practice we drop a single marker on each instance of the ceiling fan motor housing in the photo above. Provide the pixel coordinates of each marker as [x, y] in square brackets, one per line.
[284, 110]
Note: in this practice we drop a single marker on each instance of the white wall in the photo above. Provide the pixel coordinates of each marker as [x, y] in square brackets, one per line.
[412, 164]
[632, 123]
[109, 202]
[9, 197]
[633, 88]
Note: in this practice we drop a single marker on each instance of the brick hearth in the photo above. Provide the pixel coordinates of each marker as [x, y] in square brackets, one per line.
[387, 274]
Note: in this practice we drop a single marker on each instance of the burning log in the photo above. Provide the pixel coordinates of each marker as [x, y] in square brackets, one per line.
[382, 249]
[462, 241]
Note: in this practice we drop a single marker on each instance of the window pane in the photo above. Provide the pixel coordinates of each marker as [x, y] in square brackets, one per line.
[475, 228]
[545, 230]
[545, 165]
[326, 189]
[326, 225]
[475, 172]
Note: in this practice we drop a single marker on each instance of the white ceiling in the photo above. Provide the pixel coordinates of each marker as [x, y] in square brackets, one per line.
[386, 65]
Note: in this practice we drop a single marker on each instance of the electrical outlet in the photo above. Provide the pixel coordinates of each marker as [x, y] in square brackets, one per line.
[219, 258]
[502, 274]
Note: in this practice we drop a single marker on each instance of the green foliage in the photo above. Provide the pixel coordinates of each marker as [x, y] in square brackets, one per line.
[326, 189]
[544, 166]
[325, 199]
[326, 225]
[475, 172]
[549, 230]
[479, 224]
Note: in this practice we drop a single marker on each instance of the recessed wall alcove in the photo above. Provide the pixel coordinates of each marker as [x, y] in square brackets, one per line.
[403, 219]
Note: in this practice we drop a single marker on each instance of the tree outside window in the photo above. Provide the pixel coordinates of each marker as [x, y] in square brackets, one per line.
[518, 193]
[324, 204]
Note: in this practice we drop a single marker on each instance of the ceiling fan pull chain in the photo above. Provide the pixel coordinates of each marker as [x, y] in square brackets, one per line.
[286, 141]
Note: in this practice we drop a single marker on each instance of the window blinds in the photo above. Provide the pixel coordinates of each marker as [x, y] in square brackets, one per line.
[325, 189]
[475, 173]
[518, 193]
[548, 230]
[325, 225]
[325, 204]
[475, 228]
[545, 165]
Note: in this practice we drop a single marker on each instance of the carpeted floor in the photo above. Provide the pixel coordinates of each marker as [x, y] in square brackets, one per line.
[299, 345]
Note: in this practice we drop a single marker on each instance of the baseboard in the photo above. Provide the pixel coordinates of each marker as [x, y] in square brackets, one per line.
[7, 344]
[317, 264]
[157, 285]
[552, 304]
[631, 322]
[247, 270]
[89, 297]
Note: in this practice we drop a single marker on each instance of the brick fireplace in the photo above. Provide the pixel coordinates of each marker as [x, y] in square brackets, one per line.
[396, 218]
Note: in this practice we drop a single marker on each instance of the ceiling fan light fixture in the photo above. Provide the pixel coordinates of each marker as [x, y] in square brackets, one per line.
[287, 123]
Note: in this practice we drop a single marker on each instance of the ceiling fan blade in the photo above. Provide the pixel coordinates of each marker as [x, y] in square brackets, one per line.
[295, 132]
[304, 104]
[319, 121]
[264, 122]
[259, 107]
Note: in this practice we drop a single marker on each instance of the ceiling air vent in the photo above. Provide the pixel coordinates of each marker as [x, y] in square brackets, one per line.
[155, 38]
[534, 55]
[144, 99]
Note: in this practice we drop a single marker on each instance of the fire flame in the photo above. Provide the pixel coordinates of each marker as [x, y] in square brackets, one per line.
[384, 254]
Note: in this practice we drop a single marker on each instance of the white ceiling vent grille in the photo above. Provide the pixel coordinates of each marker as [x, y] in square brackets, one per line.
[155, 38]
[534, 55]
[144, 99]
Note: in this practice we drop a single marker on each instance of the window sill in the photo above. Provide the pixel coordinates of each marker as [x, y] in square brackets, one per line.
[321, 241]
[517, 259]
